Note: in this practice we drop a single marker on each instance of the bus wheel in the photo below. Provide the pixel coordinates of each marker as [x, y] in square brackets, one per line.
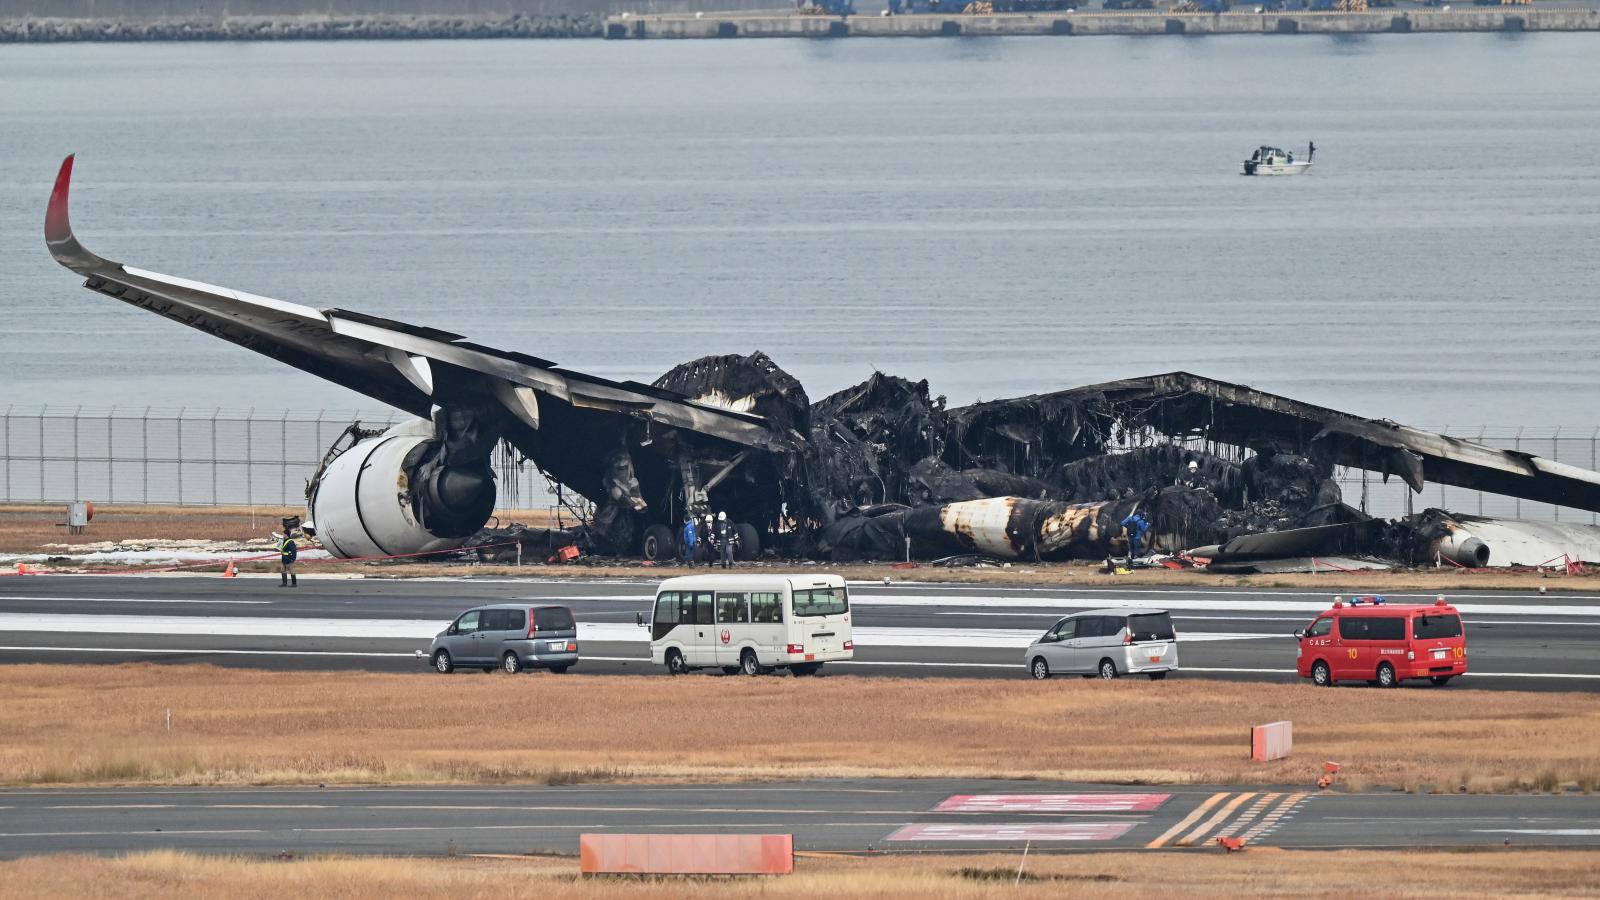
[748, 663]
[511, 663]
[442, 662]
[1386, 676]
[1039, 668]
[1440, 680]
[1108, 669]
[730, 670]
[675, 663]
[805, 669]
[1321, 675]
[657, 543]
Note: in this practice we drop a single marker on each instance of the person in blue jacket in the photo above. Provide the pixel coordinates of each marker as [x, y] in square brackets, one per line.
[690, 539]
[1137, 525]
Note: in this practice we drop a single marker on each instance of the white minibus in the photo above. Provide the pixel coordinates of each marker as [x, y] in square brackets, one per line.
[750, 623]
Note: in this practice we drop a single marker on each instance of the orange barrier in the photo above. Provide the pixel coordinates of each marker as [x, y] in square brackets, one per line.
[686, 854]
[1271, 741]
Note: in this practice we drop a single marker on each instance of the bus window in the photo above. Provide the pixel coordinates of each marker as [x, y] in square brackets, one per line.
[766, 608]
[820, 602]
[732, 608]
[667, 615]
[667, 608]
[702, 608]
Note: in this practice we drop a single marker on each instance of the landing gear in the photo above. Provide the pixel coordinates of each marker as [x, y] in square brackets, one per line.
[658, 544]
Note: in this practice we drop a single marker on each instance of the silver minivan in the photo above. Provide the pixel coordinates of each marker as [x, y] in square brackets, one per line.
[508, 636]
[1108, 643]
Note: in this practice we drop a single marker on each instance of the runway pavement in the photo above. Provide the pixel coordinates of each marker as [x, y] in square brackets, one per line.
[1515, 640]
[838, 816]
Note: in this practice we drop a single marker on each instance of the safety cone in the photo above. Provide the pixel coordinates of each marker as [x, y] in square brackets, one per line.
[22, 569]
[229, 572]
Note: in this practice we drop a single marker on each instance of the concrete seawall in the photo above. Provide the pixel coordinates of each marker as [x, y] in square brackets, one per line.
[726, 25]
[41, 21]
[36, 21]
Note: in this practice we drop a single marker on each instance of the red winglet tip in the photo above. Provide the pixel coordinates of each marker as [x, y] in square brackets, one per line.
[56, 224]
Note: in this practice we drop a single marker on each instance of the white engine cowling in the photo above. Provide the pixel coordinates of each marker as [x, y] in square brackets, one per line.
[363, 503]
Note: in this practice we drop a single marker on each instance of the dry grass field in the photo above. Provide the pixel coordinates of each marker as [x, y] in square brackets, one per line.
[1255, 873]
[99, 725]
[30, 528]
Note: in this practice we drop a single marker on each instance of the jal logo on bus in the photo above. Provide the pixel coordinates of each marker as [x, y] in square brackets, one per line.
[727, 636]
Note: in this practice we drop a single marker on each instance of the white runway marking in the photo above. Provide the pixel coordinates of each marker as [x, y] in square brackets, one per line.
[1188, 601]
[194, 651]
[425, 629]
[1557, 832]
[51, 598]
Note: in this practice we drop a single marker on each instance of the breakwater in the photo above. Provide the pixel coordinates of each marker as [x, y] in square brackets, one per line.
[49, 21]
[1472, 18]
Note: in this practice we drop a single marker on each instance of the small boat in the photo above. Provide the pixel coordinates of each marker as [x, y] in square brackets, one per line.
[1272, 161]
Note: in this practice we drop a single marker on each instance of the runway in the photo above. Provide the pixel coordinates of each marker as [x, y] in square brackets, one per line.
[1524, 641]
[838, 816]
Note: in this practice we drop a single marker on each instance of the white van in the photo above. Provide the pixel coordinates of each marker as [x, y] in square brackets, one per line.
[751, 623]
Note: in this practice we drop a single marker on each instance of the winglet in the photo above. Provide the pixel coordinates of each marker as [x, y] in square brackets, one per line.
[58, 234]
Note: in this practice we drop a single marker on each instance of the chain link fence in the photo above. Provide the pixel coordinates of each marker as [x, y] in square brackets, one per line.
[217, 457]
[190, 457]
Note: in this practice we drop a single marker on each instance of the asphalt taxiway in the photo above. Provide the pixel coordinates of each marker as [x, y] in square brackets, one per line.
[839, 816]
[1516, 640]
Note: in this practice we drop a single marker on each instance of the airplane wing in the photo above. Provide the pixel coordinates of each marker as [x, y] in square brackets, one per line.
[410, 367]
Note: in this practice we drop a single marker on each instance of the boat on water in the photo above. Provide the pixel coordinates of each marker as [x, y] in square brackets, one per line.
[1272, 161]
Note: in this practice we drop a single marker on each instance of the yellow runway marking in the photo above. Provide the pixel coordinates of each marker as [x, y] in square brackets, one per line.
[1271, 820]
[1187, 821]
[1249, 816]
[1215, 820]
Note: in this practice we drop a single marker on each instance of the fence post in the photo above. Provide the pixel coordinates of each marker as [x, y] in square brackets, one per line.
[283, 460]
[250, 458]
[215, 411]
[42, 411]
[179, 455]
[1482, 430]
[1555, 454]
[321, 448]
[1517, 445]
[111, 455]
[8, 452]
[77, 416]
[144, 455]
[1443, 504]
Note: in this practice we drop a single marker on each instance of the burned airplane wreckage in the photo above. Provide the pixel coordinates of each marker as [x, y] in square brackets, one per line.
[878, 471]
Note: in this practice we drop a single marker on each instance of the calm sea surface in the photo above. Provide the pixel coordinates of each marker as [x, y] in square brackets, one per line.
[999, 216]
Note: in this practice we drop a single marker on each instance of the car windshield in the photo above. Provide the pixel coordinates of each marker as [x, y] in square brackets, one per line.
[1152, 627]
[821, 602]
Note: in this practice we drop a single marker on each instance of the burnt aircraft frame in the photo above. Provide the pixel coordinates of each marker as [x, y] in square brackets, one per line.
[738, 434]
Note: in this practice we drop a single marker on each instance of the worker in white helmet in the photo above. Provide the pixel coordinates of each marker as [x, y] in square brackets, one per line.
[725, 539]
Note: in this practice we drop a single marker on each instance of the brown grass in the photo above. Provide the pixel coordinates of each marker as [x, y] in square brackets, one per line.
[1255, 873]
[28, 528]
[66, 725]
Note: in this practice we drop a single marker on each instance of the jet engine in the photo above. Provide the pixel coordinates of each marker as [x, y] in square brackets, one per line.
[418, 487]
